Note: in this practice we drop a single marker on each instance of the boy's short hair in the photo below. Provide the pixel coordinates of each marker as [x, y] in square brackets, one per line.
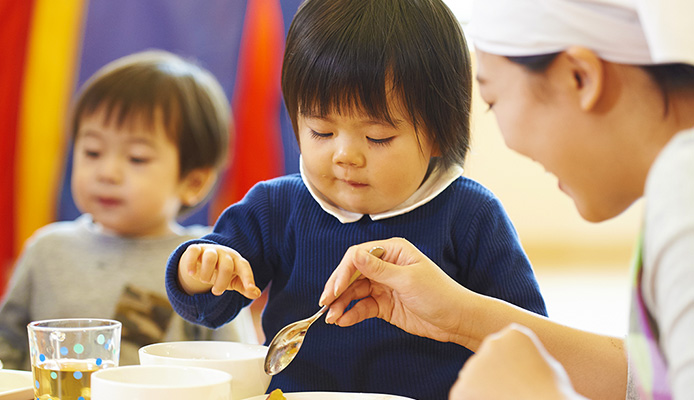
[193, 104]
[343, 55]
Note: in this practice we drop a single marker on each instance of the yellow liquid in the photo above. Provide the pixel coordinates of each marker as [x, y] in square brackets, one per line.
[65, 379]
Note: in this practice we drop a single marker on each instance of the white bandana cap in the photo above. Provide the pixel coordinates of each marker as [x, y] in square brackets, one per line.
[637, 32]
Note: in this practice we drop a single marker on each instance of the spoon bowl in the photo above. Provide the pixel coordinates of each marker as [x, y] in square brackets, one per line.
[287, 342]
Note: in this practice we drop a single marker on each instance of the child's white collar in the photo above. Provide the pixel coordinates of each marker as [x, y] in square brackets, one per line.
[437, 182]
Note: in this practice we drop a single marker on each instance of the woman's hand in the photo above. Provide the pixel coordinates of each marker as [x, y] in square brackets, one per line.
[404, 288]
[209, 267]
[513, 364]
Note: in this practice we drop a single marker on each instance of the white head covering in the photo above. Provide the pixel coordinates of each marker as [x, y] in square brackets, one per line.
[622, 31]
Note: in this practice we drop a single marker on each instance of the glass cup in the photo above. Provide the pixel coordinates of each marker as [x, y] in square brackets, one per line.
[65, 352]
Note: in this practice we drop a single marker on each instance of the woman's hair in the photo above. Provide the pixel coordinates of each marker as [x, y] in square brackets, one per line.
[670, 78]
[343, 56]
[194, 107]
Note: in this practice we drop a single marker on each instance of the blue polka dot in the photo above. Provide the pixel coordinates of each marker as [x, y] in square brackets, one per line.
[63, 350]
[99, 361]
[77, 375]
[37, 384]
[80, 398]
[42, 357]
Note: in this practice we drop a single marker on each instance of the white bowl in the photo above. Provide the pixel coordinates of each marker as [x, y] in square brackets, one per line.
[160, 382]
[16, 385]
[244, 362]
[335, 396]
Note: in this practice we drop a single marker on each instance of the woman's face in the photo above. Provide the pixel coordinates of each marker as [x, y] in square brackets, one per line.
[540, 116]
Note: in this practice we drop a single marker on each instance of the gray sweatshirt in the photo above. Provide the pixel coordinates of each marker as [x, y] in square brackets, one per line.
[72, 270]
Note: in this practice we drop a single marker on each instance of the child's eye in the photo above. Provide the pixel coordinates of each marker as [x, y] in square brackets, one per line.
[139, 160]
[383, 142]
[319, 135]
[92, 153]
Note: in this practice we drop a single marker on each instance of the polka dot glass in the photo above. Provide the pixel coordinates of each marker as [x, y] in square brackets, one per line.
[65, 352]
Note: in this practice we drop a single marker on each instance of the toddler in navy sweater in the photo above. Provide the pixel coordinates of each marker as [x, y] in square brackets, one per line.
[378, 92]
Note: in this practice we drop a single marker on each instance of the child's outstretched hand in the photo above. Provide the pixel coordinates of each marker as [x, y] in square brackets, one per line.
[209, 267]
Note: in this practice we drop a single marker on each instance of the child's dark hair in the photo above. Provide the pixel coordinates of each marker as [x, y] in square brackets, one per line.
[194, 107]
[346, 55]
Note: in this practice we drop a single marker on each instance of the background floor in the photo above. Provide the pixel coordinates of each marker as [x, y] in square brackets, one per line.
[593, 297]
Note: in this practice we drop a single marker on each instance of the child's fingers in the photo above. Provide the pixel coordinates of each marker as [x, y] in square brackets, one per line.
[223, 274]
[222, 268]
[189, 259]
[243, 282]
[208, 265]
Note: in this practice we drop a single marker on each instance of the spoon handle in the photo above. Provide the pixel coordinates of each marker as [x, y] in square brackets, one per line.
[376, 251]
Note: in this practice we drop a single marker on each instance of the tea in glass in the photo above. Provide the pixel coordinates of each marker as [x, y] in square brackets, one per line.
[65, 353]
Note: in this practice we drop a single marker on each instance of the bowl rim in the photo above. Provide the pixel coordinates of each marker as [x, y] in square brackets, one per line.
[147, 350]
[323, 394]
[220, 378]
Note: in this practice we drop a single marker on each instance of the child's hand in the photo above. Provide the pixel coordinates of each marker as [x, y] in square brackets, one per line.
[204, 267]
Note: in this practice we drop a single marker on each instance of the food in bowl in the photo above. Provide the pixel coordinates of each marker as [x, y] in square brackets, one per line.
[276, 395]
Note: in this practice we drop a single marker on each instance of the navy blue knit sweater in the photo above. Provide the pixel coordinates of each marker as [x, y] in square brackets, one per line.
[295, 245]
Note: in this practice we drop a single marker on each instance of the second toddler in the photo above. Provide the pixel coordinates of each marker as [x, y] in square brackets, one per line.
[150, 132]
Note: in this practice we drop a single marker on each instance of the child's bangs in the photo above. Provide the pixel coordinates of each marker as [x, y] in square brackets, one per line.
[325, 92]
[132, 107]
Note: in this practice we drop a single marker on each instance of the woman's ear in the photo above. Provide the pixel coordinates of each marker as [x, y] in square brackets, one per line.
[195, 186]
[588, 75]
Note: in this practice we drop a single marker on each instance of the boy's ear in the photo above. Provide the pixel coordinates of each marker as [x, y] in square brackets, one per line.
[196, 185]
[588, 75]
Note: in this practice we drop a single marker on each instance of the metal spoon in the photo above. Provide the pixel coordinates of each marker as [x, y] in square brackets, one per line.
[287, 342]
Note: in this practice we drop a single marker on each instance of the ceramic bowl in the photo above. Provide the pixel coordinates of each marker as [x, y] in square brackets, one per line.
[244, 362]
[160, 382]
[335, 396]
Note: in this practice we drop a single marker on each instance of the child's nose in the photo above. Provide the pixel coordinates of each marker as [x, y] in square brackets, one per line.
[110, 169]
[349, 154]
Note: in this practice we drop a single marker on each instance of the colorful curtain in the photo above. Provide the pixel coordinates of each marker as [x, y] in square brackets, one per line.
[51, 47]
